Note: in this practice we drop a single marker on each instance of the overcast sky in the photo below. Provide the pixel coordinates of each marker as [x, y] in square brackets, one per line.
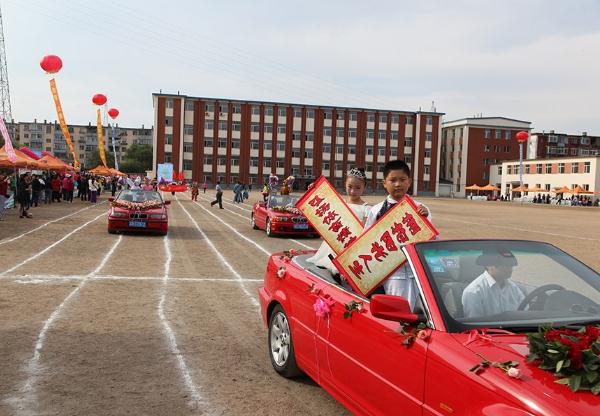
[537, 61]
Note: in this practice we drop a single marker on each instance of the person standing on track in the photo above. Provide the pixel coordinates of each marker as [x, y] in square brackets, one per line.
[195, 191]
[219, 198]
[3, 194]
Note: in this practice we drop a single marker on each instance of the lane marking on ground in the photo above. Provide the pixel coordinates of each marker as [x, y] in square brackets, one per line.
[11, 239]
[51, 246]
[518, 229]
[246, 218]
[38, 278]
[32, 368]
[196, 398]
[220, 256]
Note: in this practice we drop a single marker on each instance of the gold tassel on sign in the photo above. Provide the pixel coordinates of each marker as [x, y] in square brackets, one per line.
[101, 151]
[63, 123]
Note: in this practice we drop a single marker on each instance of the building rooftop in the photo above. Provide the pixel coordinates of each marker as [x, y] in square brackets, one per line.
[487, 121]
[296, 104]
[546, 160]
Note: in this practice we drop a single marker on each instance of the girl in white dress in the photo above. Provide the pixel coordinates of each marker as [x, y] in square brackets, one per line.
[356, 181]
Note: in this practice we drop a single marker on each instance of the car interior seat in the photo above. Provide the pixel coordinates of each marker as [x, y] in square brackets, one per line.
[451, 292]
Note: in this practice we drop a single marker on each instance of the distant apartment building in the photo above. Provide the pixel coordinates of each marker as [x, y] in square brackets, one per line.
[47, 136]
[469, 147]
[548, 174]
[546, 145]
[220, 139]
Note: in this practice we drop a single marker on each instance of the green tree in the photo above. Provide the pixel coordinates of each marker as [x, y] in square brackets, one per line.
[138, 158]
[93, 159]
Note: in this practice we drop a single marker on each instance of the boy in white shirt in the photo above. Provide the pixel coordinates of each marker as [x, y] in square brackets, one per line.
[397, 181]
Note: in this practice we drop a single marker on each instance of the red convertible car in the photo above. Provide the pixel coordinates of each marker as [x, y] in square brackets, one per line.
[461, 349]
[279, 216]
[138, 210]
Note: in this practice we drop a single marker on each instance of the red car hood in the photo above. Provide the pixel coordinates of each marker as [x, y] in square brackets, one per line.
[536, 390]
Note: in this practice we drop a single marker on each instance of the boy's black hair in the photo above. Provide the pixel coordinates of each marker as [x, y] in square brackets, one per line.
[395, 165]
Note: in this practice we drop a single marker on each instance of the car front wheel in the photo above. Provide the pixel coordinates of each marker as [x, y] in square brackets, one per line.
[281, 347]
[253, 222]
[268, 228]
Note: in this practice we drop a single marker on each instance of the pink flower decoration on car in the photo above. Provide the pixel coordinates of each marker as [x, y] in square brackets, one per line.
[322, 307]
[514, 372]
[423, 334]
[281, 272]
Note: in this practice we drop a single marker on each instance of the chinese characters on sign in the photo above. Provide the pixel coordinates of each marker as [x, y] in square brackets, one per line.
[330, 216]
[376, 254]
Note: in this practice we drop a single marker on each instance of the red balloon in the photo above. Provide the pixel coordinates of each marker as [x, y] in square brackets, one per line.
[113, 113]
[51, 64]
[99, 99]
[522, 136]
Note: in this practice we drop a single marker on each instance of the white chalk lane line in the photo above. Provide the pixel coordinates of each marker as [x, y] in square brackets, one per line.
[32, 368]
[197, 402]
[51, 246]
[11, 239]
[51, 278]
[221, 257]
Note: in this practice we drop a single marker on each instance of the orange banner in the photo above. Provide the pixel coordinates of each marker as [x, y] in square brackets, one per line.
[376, 254]
[329, 215]
[101, 151]
[63, 123]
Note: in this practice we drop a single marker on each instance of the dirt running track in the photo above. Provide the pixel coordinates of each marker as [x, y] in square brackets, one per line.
[100, 324]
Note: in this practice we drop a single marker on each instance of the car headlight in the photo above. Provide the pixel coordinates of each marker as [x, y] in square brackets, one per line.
[119, 214]
[158, 216]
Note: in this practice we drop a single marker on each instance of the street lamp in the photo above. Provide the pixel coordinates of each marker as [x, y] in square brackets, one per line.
[522, 137]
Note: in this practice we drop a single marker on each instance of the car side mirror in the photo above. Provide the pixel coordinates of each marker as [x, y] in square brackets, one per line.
[392, 308]
[110, 199]
[167, 202]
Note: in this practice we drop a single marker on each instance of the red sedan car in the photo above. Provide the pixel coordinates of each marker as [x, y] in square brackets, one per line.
[451, 352]
[279, 216]
[139, 211]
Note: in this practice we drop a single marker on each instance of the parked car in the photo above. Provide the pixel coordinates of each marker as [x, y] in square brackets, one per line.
[138, 211]
[279, 216]
[369, 352]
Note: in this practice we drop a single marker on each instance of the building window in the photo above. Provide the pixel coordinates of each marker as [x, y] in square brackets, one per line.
[428, 136]
[339, 148]
[427, 153]
[268, 111]
[187, 129]
[383, 118]
[210, 108]
[281, 128]
[561, 167]
[236, 109]
[208, 142]
[208, 160]
[168, 139]
[297, 112]
[223, 143]
[381, 135]
[327, 132]
[308, 154]
[408, 142]
[268, 146]
[509, 170]
[427, 169]
[188, 147]
[586, 167]
[351, 132]
[575, 167]
[548, 168]
[574, 151]
[222, 125]
[409, 120]
[527, 167]
[209, 125]
[353, 116]
[370, 134]
[168, 121]
[506, 149]
[487, 133]
[282, 112]
[169, 103]
[326, 148]
[429, 120]
[408, 159]
[309, 137]
[339, 132]
[395, 118]
[223, 108]
[189, 106]
[187, 164]
[371, 117]
[500, 170]
[236, 126]
[254, 145]
[168, 158]
[538, 168]
[327, 115]
[310, 113]
[235, 144]
[255, 110]
[394, 135]
[255, 127]
[498, 134]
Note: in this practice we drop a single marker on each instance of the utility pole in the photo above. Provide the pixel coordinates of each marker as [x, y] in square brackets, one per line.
[5, 110]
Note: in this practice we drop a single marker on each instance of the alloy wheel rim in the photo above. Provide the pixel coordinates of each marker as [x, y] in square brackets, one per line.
[280, 339]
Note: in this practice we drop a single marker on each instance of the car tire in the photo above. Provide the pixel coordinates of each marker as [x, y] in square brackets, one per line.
[268, 228]
[112, 231]
[254, 226]
[281, 347]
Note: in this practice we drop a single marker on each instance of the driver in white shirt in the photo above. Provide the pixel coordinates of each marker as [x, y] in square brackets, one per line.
[493, 292]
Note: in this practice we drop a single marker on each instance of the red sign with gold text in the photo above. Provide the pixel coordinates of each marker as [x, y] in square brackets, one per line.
[376, 254]
[329, 215]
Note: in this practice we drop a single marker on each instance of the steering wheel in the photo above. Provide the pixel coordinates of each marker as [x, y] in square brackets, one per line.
[537, 292]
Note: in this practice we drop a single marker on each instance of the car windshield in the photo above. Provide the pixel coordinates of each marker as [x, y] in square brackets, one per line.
[138, 196]
[282, 201]
[516, 285]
